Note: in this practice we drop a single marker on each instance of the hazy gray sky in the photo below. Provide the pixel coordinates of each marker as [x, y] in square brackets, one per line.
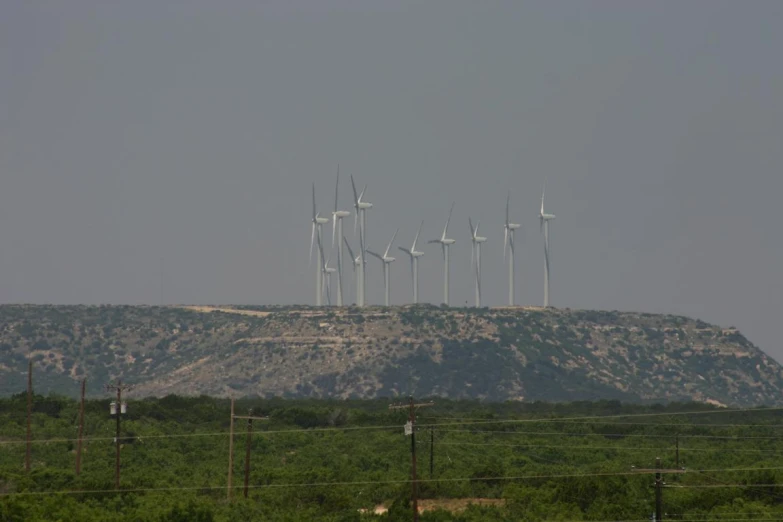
[192, 130]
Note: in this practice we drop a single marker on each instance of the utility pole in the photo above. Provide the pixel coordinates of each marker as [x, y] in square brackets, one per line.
[29, 415]
[247, 450]
[250, 418]
[432, 451]
[410, 429]
[230, 453]
[677, 451]
[81, 431]
[118, 408]
[658, 471]
[658, 491]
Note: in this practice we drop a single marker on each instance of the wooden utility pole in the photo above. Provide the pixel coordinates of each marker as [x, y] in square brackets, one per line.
[658, 471]
[81, 431]
[250, 418]
[658, 491]
[410, 429]
[247, 451]
[29, 415]
[677, 451]
[432, 452]
[118, 411]
[230, 453]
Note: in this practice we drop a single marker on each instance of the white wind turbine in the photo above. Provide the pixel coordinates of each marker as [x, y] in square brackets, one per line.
[337, 232]
[445, 243]
[318, 223]
[544, 220]
[357, 263]
[414, 255]
[387, 261]
[328, 271]
[475, 254]
[508, 245]
[360, 216]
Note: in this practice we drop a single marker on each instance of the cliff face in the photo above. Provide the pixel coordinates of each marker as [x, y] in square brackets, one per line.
[494, 354]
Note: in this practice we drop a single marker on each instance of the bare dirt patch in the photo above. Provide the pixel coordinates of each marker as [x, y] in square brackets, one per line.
[209, 309]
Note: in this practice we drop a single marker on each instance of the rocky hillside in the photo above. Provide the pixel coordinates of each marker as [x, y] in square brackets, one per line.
[494, 354]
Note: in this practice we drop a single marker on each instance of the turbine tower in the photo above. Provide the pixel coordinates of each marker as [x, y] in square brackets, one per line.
[318, 223]
[445, 243]
[387, 261]
[544, 220]
[327, 272]
[357, 262]
[337, 234]
[360, 216]
[508, 245]
[414, 255]
[475, 254]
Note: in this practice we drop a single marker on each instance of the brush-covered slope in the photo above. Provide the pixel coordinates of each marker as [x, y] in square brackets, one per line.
[494, 354]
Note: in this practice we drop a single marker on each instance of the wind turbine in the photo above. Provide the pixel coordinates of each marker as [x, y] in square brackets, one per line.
[357, 262]
[387, 261]
[444, 244]
[544, 220]
[360, 216]
[475, 253]
[318, 223]
[508, 245]
[328, 271]
[337, 232]
[414, 255]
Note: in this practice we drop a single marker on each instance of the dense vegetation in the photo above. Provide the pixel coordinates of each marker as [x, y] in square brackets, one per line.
[327, 460]
[461, 353]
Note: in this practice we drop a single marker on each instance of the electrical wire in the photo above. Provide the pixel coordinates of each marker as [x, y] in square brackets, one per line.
[369, 482]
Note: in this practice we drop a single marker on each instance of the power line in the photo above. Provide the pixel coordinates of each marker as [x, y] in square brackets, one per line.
[652, 414]
[597, 434]
[619, 448]
[369, 482]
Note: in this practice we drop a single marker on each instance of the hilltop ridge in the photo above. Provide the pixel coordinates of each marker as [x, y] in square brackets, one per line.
[488, 353]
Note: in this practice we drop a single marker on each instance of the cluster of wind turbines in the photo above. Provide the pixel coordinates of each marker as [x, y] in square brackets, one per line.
[359, 259]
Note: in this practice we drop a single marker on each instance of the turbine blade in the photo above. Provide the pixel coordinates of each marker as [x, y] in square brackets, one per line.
[432, 241]
[374, 254]
[477, 226]
[447, 221]
[472, 230]
[415, 239]
[508, 200]
[363, 191]
[505, 239]
[405, 250]
[337, 187]
[312, 241]
[350, 252]
[355, 195]
[542, 196]
[388, 247]
[472, 255]
[314, 213]
[321, 249]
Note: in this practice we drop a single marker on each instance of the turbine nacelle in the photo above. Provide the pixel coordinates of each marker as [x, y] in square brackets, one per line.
[513, 226]
[341, 214]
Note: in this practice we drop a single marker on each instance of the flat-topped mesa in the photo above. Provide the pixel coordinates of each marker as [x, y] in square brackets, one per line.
[498, 354]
